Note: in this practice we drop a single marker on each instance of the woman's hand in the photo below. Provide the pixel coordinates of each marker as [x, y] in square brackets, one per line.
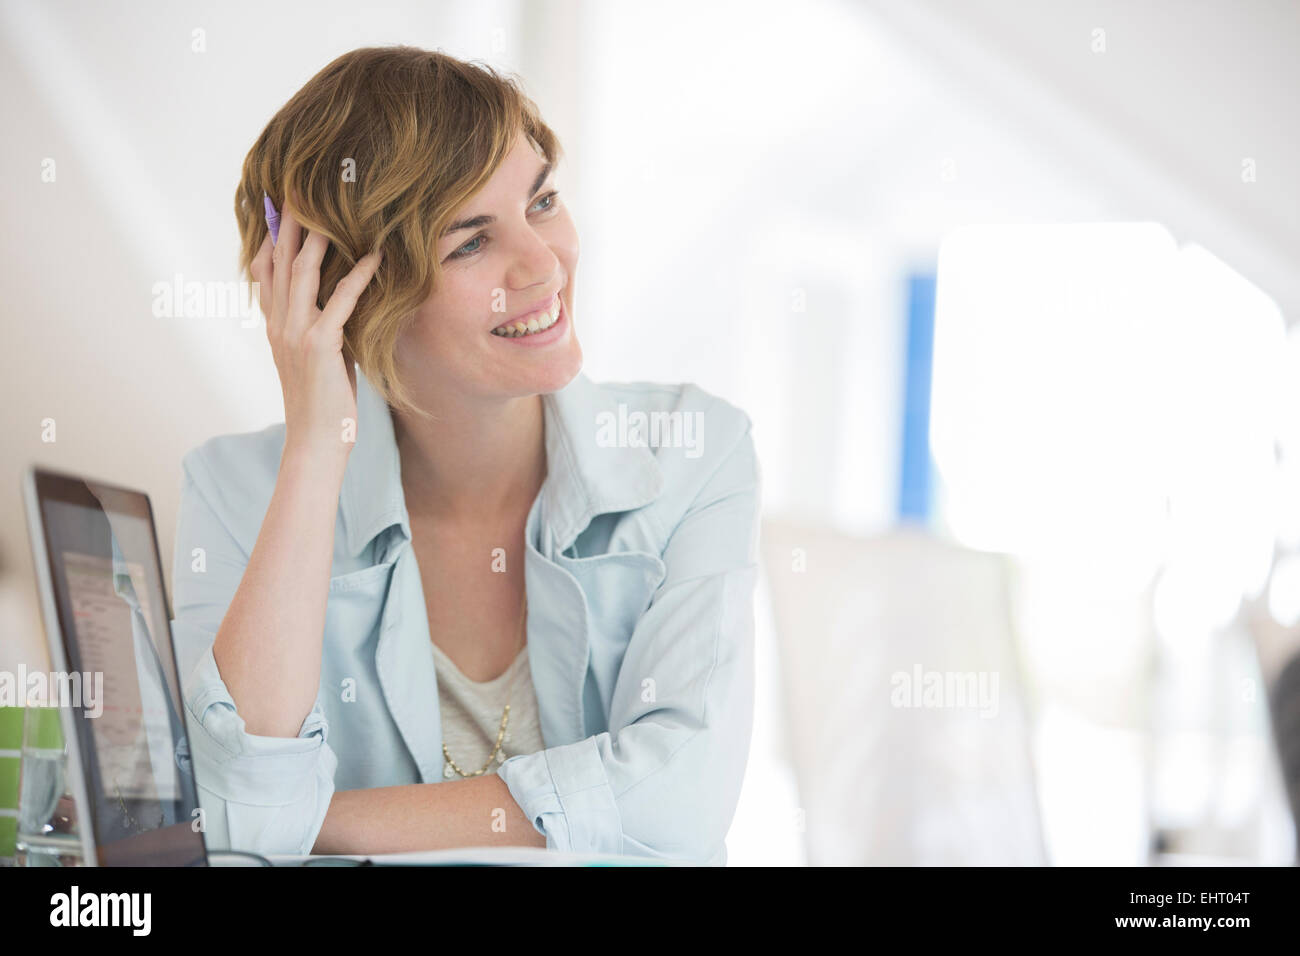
[320, 388]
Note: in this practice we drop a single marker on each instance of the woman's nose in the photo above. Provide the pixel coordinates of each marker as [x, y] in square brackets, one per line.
[534, 261]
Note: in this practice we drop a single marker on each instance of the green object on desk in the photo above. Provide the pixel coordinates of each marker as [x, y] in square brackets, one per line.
[11, 741]
[48, 732]
[9, 769]
[8, 836]
[11, 727]
[45, 732]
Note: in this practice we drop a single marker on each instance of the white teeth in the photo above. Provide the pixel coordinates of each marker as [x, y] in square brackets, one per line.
[537, 323]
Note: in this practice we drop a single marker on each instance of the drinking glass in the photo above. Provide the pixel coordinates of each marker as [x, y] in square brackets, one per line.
[47, 827]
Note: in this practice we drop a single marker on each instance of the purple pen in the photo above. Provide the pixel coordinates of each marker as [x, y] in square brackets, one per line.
[272, 218]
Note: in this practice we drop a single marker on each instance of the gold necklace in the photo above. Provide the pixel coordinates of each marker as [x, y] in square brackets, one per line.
[505, 715]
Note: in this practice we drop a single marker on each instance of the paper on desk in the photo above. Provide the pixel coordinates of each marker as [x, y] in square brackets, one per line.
[487, 855]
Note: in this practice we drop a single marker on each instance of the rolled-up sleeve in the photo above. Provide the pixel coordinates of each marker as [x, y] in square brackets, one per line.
[665, 779]
[259, 794]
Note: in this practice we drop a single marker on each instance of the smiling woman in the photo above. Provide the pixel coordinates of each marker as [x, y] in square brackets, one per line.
[438, 606]
[398, 140]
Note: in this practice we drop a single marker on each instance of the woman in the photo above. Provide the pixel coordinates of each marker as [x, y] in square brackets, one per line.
[454, 599]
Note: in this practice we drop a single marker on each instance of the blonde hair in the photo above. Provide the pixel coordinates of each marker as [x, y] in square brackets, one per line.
[378, 150]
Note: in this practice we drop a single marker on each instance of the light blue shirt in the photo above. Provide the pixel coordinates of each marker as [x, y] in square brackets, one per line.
[640, 567]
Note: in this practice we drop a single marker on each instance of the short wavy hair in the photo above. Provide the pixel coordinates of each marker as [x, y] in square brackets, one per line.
[378, 150]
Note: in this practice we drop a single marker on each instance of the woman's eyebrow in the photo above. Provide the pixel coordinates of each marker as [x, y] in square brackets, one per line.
[476, 221]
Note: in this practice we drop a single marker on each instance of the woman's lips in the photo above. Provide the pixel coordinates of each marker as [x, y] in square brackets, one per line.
[537, 320]
[545, 337]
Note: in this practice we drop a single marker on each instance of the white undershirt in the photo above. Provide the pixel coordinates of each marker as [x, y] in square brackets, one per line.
[471, 714]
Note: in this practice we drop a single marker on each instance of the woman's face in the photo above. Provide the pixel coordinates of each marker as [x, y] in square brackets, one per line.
[514, 254]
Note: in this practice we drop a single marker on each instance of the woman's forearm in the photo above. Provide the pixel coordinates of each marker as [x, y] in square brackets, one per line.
[268, 648]
[476, 811]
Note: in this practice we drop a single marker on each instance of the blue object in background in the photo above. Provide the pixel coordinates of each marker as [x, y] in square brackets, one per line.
[915, 493]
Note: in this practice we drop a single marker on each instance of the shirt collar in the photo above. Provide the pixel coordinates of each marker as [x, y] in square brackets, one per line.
[583, 478]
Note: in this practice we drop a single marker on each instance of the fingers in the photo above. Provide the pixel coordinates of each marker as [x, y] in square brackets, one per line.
[288, 276]
[305, 284]
[282, 256]
[343, 300]
[260, 268]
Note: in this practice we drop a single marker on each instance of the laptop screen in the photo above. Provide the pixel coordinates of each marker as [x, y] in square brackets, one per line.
[113, 618]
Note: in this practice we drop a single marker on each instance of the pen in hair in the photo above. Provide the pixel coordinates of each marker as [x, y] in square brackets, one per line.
[272, 218]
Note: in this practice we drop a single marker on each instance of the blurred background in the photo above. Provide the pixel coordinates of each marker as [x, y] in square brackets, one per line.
[1008, 288]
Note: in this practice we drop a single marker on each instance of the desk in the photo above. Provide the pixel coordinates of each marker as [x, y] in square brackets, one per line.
[483, 856]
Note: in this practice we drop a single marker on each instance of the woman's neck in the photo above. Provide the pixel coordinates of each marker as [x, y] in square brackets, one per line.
[477, 463]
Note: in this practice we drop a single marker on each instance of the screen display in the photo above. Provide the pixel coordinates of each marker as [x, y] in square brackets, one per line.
[131, 727]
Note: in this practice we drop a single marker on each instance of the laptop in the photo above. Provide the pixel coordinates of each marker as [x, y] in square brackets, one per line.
[114, 675]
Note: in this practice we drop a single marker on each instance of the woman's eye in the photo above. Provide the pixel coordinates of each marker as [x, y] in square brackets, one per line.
[465, 251]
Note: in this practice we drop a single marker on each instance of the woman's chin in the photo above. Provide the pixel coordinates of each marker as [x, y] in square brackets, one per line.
[558, 370]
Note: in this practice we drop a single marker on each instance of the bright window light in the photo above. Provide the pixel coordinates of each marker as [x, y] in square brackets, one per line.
[1111, 402]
